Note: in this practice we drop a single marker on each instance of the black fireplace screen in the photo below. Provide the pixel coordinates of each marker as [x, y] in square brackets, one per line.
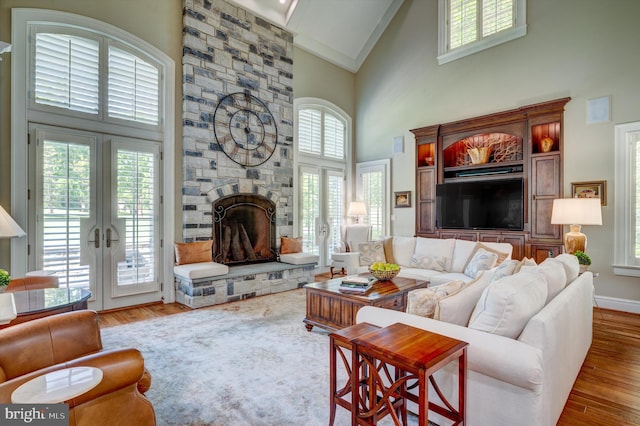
[244, 228]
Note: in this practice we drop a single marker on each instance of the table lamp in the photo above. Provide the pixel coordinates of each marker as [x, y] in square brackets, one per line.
[357, 209]
[8, 227]
[576, 212]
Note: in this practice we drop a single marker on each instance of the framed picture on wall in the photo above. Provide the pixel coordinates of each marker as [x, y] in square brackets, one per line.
[595, 189]
[402, 199]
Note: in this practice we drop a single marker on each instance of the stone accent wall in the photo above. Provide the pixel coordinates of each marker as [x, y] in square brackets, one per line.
[226, 50]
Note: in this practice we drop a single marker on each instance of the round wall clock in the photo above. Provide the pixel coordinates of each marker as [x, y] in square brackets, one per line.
[245, 129]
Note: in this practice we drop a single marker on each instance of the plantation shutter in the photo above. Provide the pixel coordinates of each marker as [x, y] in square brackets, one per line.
[467, 17]
[333, 137]
[133, 88]
[310, 131]
[67, 72]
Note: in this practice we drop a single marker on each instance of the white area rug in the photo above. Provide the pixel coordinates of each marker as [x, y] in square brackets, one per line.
[244, 363]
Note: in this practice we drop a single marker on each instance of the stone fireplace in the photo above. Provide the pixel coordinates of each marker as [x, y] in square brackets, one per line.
[244, 227]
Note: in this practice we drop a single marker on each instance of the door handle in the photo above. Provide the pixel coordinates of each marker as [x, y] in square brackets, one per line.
[96, 238]
[109, 238]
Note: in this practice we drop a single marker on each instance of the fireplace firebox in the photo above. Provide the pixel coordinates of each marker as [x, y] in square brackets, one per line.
[244, 227]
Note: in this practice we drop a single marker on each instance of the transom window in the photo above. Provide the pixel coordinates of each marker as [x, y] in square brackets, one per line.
[320, 132]
[68, 69]
[468, 26]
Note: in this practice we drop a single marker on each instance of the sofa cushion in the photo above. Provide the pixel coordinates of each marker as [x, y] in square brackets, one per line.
[200, 270]
[290, 245]
[462, 252]
[554, 274]
[196, 252]
[482, 260]
[504, 269]
[457, 307]
[371, 252]
[423, 301]
[435, 248]
[506, 305]
[571, 265]
[403, 248]
[299, 258]
[443, 278]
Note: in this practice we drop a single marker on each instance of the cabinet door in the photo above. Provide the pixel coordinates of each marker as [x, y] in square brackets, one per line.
[426, 205]
[517, 241]
[539, 252]
[545, 187]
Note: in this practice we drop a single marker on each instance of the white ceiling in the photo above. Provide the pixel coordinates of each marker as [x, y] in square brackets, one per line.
[341, 31]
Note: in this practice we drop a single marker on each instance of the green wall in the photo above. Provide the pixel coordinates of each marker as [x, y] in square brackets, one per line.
[579, 48]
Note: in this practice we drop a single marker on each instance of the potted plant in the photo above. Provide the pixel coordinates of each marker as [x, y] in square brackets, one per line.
[5, 278]
[583, 259]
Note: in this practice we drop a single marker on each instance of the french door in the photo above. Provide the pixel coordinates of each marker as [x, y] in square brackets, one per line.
[321, 207]
[96, 214]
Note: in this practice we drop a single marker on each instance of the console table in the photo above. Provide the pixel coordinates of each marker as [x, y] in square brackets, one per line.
[32, 304]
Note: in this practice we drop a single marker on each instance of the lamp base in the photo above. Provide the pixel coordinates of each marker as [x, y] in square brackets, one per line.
[574, 240]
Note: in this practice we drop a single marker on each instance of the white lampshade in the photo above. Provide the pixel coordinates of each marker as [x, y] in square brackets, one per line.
[357, 208]
[8, 227]
[576, 211]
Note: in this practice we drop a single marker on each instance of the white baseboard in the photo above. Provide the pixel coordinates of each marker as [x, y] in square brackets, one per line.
[624, 305]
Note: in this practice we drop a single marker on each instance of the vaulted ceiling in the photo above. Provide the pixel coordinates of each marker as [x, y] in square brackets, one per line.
[342, 32]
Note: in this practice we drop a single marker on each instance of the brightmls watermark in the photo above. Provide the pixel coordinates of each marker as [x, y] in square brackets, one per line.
[34, 414]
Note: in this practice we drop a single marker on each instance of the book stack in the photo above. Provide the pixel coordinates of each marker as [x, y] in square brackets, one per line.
[355, 284]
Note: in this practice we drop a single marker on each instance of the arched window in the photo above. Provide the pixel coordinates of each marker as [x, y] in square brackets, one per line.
[322, 148]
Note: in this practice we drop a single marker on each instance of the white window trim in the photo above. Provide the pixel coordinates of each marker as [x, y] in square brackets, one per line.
[385, 166]
[444, 55]
[21, 20]
[625, 205]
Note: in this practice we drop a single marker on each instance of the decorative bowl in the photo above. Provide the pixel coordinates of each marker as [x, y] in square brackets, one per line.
[384, 275]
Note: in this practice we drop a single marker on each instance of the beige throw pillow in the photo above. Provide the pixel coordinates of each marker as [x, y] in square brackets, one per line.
[423, 301]
[456, 308]
[482, 260]
[371, 252]
[436, 263]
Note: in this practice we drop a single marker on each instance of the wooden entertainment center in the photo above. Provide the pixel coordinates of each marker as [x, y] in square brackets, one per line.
[525, 143]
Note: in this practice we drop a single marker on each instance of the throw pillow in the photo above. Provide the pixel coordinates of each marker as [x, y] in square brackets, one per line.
[371, 252]
[387, 244]
[290, 245]
[501, 256]
[437, 263]
[482, 260]
[554, 274]
[423, 301]
[456, 308]
[523, 262]
[506, 306]
[199, 251]
[504, 269]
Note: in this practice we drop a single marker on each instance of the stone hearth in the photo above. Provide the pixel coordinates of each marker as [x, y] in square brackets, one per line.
[243, 282]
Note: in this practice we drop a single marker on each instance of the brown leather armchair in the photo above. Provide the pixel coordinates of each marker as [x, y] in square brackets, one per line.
[33, 283]
[72, 339]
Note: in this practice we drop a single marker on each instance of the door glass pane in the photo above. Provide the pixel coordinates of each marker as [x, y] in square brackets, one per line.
[135, 214]
[335, 211]
[309, 210]
[373, 197]
[66, 189]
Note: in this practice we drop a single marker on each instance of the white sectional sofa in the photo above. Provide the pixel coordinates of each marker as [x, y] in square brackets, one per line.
[528, 336]
[446, 261]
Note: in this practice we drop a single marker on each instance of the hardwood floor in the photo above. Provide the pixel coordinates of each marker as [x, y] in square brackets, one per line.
[606, 392]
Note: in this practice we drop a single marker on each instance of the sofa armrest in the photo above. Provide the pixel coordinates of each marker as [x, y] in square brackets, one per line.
[495, 356]
[350, 261]
[120, 368]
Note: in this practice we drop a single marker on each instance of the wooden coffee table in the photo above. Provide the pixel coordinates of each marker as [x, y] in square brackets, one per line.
[332, 310]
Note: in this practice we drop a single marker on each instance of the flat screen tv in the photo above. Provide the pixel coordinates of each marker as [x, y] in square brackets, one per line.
[489, 204]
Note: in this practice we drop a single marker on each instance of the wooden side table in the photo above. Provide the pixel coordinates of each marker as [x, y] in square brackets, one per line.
[340, 344]
[416, 355]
